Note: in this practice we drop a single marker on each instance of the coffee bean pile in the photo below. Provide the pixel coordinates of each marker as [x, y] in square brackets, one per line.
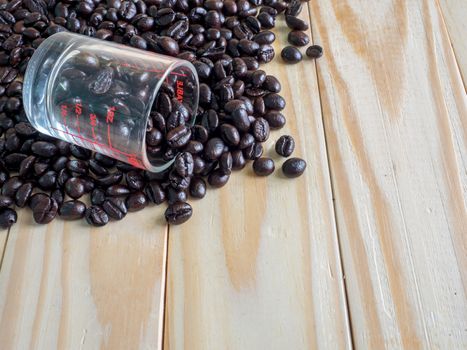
[239, 104]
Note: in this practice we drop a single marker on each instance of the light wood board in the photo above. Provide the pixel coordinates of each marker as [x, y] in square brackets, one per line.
[455, 16]
[68, 286]
[258, 265]
[395, 120]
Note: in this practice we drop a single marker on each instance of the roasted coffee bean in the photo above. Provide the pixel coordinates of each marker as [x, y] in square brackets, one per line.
[218, 179]
[253, 151]
[23, 194]
[267, 21]
[213, 148]
[44, 208]
[179, 136]
[110, 179]
[117, 190]
[261, 129]
[184, 164]
[295, 23]
[134, 180]
[77, 166]
[314, 51]
[80, 152]
[263, 166]
[174, 195]
[197, 188]
[5, 201]
[72, 210]
[276, 120]
[8, 217]
[238, 160]
[225, 163]
[298, 38]
[154, 192]
[285, 145]
[246, 140]
[240, 119]
[103, 81]
[44, 149]
[97, 196]
[291, 54]
[136, 201]
[230, 134]
[178, 213]
[265, 37]
[96, 216]
[294, 8]
[115, 207]
[74, 187]
[58, 196]
[274, 101]
[11, 185]
[293, 167]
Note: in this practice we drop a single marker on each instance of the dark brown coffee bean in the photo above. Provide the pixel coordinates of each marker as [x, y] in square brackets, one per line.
[298, 38]
[197, 188]
[238, 160]
[96, 216]
[285, 145]
[230, 134]
[8, 218]
[194, 147]
[179, 136]
[97, 196]
[217, 179]
[214, 148]
[184, 164]
[267, 21]
[23, 194]
[263, 166]
[225, 163]
[44, 208]
[115, 207]
[178, 213]
[265, 37]
[291, 54]
[154, 192]
[174, 195]
[5, 201]
[274, 101]
[117, 190]
[293, 167]
[240, 119]
[74, 187]
[44, 149]
[261, 129]
[11, 185]
[295, 23]
[72, 210]
[276, 120]
[134, 180]
[58, 196]
[136, 201]
[314, 51]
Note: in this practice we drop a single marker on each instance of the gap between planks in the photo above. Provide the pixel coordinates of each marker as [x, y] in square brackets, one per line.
[336, 225]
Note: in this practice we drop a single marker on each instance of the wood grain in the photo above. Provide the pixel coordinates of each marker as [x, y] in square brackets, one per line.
[258, 265]
[455, 17]
[67, 286]
[394, 111]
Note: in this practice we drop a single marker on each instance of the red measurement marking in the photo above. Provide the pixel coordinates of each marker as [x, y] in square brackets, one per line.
[93, 123]
[108, 136]
[180, 90]
[78, 112]
[64, 112]
[134, 161]
[110, 115]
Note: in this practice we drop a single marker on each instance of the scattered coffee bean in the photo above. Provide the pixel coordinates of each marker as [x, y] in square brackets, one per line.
[298, 38]
[314, 51]
[293, 167]
[178, 213]
[285, 145]
[263, 166]
[291, 54]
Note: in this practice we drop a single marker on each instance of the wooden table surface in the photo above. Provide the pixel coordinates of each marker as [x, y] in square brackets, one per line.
[367, 250]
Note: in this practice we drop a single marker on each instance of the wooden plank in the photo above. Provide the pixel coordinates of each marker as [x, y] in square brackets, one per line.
[257, 267]
[3, 242]
[455, 17]
[395, 112]
[68, 286]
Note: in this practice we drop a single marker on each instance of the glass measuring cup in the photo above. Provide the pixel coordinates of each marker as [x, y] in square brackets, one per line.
[99, 95]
